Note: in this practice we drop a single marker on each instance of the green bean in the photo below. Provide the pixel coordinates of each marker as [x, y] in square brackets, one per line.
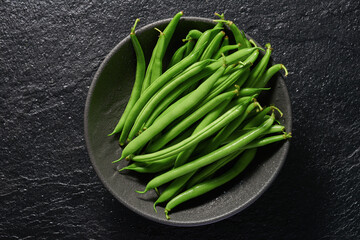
[211, 184]
[167, 101]
[192, 99]
[227, 130]
[170, 28]
[258, 119]
[193, 34]
[259, 69]
[238, 35]
[251, 91]
[208, 119]
[273, 129]
[240, 75]
[162, 45]
[147, 78]
[182, 157]
[224, 50]
[189, 46]
[209, 130]
[211, 157]
[156, 69]
[269, 73]
[211, 144]
[178, 55]
[155, 86]
[163, 92]
[153, 167]
[248, 61]
[211, 169]
[192, 118]
[225, 42]
[205, 38]
[213, 46]
[187, 133]
[228, 82]
[139, 78]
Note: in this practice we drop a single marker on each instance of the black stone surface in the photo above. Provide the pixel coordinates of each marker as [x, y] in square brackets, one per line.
[49, 52]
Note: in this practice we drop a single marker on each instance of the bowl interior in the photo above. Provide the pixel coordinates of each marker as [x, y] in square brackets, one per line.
[107, 98]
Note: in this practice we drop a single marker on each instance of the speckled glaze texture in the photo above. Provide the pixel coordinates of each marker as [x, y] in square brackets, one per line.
[49, 53]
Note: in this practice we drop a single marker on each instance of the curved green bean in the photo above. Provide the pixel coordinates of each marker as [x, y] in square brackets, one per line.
[213, 46]
[178, 55]
[162, 45]
[225, 49]
[259, 69]
[269, 73]
[139, 78]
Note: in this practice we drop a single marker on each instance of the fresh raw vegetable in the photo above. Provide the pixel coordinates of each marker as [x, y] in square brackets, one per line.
[186, 125]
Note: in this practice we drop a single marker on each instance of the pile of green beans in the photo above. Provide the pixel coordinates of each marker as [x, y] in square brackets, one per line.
[184, 123]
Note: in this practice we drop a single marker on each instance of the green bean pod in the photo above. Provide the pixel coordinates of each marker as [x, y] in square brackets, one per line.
[213, 46]
[272, 130]
[155, 86]
[227, 130]
[251, 91]
[212, 128]
[189, 47]
[147, 78]
[156, 69]
[163, 92]
[178, 55]
[235, 57]
[225, 42]
[208, 119]
[139, 78]
[229, 82]
[193, 34]
[167, 101]
[192, 118]
[259, 69]
[192, 99]
[211, 184]
[225, 49]
[269, 74]
[162, 45]
[238, 35]
[153, 167]
[211, 169]
[257, 120]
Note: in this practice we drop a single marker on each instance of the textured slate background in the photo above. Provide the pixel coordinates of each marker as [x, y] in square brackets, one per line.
[49, 52]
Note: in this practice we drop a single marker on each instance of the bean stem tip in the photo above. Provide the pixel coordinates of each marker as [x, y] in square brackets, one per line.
[285, 69]
[133, 28]
[167, 214]
[277, 109]
[142, 191]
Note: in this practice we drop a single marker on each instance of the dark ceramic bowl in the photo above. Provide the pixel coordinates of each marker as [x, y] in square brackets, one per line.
[107, 98]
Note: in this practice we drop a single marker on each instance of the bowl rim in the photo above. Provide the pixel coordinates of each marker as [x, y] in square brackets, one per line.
[104, 181]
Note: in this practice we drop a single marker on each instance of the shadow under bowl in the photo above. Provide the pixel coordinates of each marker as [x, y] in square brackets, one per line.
[107, 98]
